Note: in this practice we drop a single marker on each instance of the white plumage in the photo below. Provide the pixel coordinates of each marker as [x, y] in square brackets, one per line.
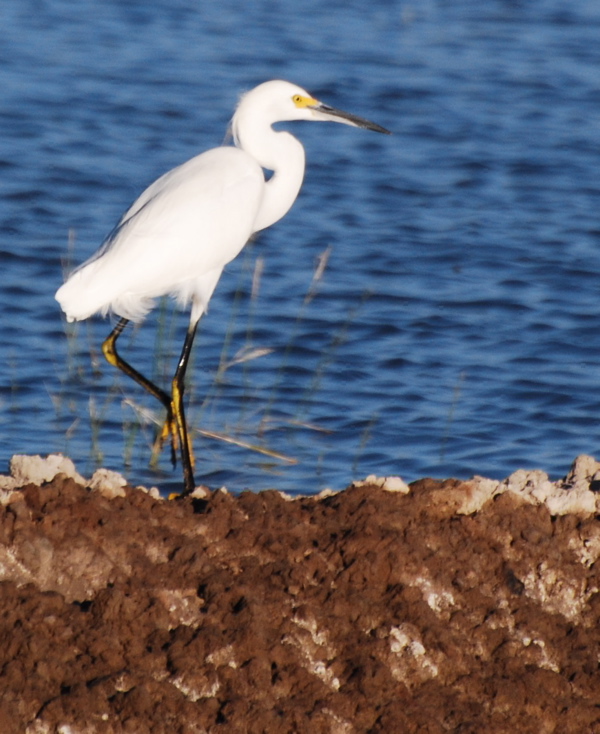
[173, 240]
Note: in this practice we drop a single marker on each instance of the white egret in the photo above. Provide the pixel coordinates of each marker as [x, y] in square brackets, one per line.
[184, 228]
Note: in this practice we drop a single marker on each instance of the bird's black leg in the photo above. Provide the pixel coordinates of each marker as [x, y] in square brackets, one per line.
[178, 412]
[109, 349]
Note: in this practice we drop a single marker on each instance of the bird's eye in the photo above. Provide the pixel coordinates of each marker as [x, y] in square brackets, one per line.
[301, 101]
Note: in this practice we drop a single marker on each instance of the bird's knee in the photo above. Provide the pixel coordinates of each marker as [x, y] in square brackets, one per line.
[109, 351]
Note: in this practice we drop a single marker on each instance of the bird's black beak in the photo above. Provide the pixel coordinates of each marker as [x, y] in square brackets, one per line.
[325, 112]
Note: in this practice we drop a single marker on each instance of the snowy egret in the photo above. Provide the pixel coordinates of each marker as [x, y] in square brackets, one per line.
[184, 228]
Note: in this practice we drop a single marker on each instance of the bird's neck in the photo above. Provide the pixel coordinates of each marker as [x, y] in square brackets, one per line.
[282, 154]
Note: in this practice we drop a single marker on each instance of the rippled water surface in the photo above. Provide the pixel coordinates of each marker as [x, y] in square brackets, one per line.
[454, 329]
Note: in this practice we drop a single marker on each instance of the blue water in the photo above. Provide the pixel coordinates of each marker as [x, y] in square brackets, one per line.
[455, 330]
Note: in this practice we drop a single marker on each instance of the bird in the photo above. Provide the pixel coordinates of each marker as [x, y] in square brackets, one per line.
[180, 233]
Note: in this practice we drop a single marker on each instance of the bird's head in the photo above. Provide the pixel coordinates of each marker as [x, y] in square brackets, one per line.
[280, 101]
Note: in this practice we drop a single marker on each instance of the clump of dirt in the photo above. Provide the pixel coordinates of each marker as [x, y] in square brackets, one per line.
[440, 607]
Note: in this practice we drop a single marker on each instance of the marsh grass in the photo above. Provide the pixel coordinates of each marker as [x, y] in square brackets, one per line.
[260, 410]
[456, 395]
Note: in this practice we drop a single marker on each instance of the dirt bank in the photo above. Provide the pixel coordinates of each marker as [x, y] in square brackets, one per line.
[440, 607]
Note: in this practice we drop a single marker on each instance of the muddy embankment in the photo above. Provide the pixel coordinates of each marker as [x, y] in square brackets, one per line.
[436, 607]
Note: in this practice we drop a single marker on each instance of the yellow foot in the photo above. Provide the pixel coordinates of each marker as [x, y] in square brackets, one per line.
[191, 445]
[169, 431]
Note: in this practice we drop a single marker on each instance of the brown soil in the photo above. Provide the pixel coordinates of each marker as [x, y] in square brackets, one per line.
[368, 610]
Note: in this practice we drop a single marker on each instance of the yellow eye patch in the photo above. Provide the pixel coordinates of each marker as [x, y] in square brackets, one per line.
[300, 101]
